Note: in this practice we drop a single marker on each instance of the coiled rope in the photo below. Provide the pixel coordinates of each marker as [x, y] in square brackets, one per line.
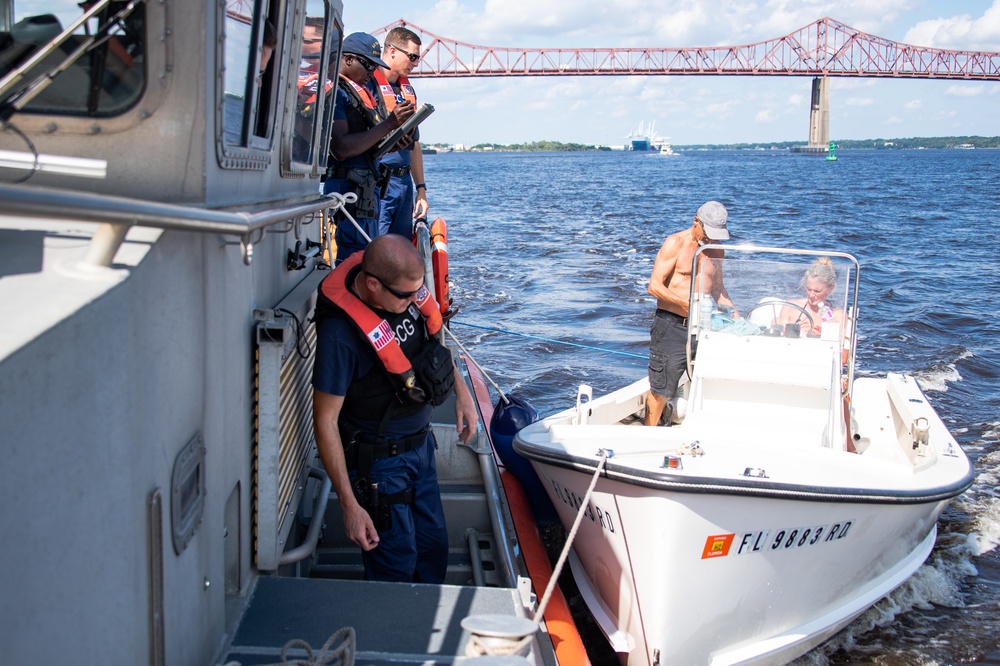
[341, 655]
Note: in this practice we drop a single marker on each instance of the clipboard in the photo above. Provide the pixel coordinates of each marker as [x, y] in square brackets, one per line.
[390, 140]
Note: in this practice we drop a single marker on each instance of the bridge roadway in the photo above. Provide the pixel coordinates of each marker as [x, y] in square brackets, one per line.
[824, 48]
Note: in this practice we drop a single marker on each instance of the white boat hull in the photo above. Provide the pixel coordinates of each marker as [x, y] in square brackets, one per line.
[786, 576]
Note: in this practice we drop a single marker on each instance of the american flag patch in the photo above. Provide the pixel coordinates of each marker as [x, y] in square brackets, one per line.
[381, 335]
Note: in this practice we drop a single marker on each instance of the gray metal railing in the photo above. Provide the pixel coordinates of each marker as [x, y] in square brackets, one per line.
[117, 214]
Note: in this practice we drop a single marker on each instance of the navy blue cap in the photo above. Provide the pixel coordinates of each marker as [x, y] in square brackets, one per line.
[364, 45]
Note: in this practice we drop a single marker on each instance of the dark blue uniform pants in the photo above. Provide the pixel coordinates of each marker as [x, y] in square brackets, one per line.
[415, 548]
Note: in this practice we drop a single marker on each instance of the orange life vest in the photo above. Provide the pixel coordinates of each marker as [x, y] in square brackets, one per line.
[389, 95]
[367, 98]
[377, 330]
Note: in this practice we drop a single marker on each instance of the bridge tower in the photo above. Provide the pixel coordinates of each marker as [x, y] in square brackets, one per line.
[819, 118]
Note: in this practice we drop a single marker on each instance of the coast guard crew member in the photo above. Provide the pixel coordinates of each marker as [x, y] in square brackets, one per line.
[359, 123]
[406, 196]
[378, 371]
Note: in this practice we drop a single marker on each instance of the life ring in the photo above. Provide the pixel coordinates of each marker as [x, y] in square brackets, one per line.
[439, 263]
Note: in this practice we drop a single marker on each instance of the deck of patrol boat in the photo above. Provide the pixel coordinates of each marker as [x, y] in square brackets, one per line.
[394, 623]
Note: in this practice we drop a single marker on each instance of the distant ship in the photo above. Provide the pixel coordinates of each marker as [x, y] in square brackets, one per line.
[642, 138]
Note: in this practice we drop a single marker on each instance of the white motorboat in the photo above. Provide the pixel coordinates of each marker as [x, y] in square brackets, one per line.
[787, 499]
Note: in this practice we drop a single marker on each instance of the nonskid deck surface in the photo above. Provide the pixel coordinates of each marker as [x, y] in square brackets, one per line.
[394, 623]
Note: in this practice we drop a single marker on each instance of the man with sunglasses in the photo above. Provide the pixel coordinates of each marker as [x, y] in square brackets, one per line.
[377, 373]
[403, 201]
[359, 123]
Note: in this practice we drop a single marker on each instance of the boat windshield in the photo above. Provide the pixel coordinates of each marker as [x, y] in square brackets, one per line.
[99, 69]
[774, 292]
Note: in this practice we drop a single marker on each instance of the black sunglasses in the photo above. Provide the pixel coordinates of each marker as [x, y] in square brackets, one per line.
[402, 295]
[368, 65]
[412, 56]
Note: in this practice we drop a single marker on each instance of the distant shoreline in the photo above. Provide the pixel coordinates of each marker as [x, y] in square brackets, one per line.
[914, 143]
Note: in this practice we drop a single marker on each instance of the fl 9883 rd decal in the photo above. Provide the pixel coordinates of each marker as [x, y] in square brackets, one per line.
[782, 538]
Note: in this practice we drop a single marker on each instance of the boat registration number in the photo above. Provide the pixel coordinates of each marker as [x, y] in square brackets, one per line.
[783, 538]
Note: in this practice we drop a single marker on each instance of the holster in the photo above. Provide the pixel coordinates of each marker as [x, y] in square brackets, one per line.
[366, 186]
[378, 504]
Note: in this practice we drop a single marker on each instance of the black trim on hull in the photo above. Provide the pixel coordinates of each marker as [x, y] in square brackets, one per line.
[712, 485]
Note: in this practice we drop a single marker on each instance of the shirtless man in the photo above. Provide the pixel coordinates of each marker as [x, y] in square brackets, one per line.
[670, 283]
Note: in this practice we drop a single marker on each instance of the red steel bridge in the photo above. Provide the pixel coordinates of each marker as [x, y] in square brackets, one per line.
[824, 48]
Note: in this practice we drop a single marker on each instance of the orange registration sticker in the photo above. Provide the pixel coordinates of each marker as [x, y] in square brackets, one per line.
[717, 546]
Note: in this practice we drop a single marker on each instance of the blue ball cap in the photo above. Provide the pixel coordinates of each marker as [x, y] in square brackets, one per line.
[364, 45]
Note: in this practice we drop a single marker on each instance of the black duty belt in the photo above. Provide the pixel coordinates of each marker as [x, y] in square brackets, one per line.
[401, 171]
[667, 314]
[338, 172]
[393, 447]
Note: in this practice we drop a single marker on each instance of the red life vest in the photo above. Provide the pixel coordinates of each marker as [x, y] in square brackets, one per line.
[377, 330]
[389, 95]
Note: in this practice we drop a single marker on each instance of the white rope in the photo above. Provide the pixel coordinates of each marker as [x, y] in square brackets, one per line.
[569, 538]
[475, 363]
[345, 199]
[342, 655]
[480, 647]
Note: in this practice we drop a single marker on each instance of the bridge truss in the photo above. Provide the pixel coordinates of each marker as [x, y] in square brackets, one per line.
[824, 48]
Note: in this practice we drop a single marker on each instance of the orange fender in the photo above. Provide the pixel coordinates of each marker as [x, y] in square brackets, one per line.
[559, 622]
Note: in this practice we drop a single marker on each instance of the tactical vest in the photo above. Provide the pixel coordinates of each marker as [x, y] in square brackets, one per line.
[399, 384]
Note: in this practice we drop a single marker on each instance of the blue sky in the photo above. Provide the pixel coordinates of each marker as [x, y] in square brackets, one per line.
[691, 109]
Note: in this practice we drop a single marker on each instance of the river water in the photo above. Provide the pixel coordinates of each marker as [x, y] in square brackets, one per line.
[550, 254]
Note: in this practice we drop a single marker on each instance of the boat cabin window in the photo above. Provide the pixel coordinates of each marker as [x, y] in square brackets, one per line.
[318, 58]
[250, 75]
[99, 68]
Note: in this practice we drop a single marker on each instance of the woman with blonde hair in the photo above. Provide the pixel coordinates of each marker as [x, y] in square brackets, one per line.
[819, 281]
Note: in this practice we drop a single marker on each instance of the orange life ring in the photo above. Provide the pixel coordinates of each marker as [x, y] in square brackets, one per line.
[439, 263]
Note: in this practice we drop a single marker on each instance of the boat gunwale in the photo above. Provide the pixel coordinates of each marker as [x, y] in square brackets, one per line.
[714, 485]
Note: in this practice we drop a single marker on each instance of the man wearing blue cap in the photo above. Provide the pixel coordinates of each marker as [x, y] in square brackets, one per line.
[359, 123]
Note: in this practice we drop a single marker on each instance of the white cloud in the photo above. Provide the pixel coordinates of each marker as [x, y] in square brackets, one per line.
[959, 32]
[914, 105]
[959, 90]
[893, 120]
[764, 116]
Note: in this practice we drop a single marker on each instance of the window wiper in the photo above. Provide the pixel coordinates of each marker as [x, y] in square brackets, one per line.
[12, 101]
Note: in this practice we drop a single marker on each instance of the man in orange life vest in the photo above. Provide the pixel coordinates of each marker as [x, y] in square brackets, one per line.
[406, 196]
[378, 372]
[359, 123]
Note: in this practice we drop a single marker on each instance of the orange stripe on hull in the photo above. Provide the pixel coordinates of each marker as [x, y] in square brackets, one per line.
[558, 619]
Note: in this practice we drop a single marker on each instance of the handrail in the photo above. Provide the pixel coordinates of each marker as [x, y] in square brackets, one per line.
[123, 212]
[308, 547]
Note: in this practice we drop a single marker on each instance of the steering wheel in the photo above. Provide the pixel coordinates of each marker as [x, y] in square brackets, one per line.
[775, 303]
